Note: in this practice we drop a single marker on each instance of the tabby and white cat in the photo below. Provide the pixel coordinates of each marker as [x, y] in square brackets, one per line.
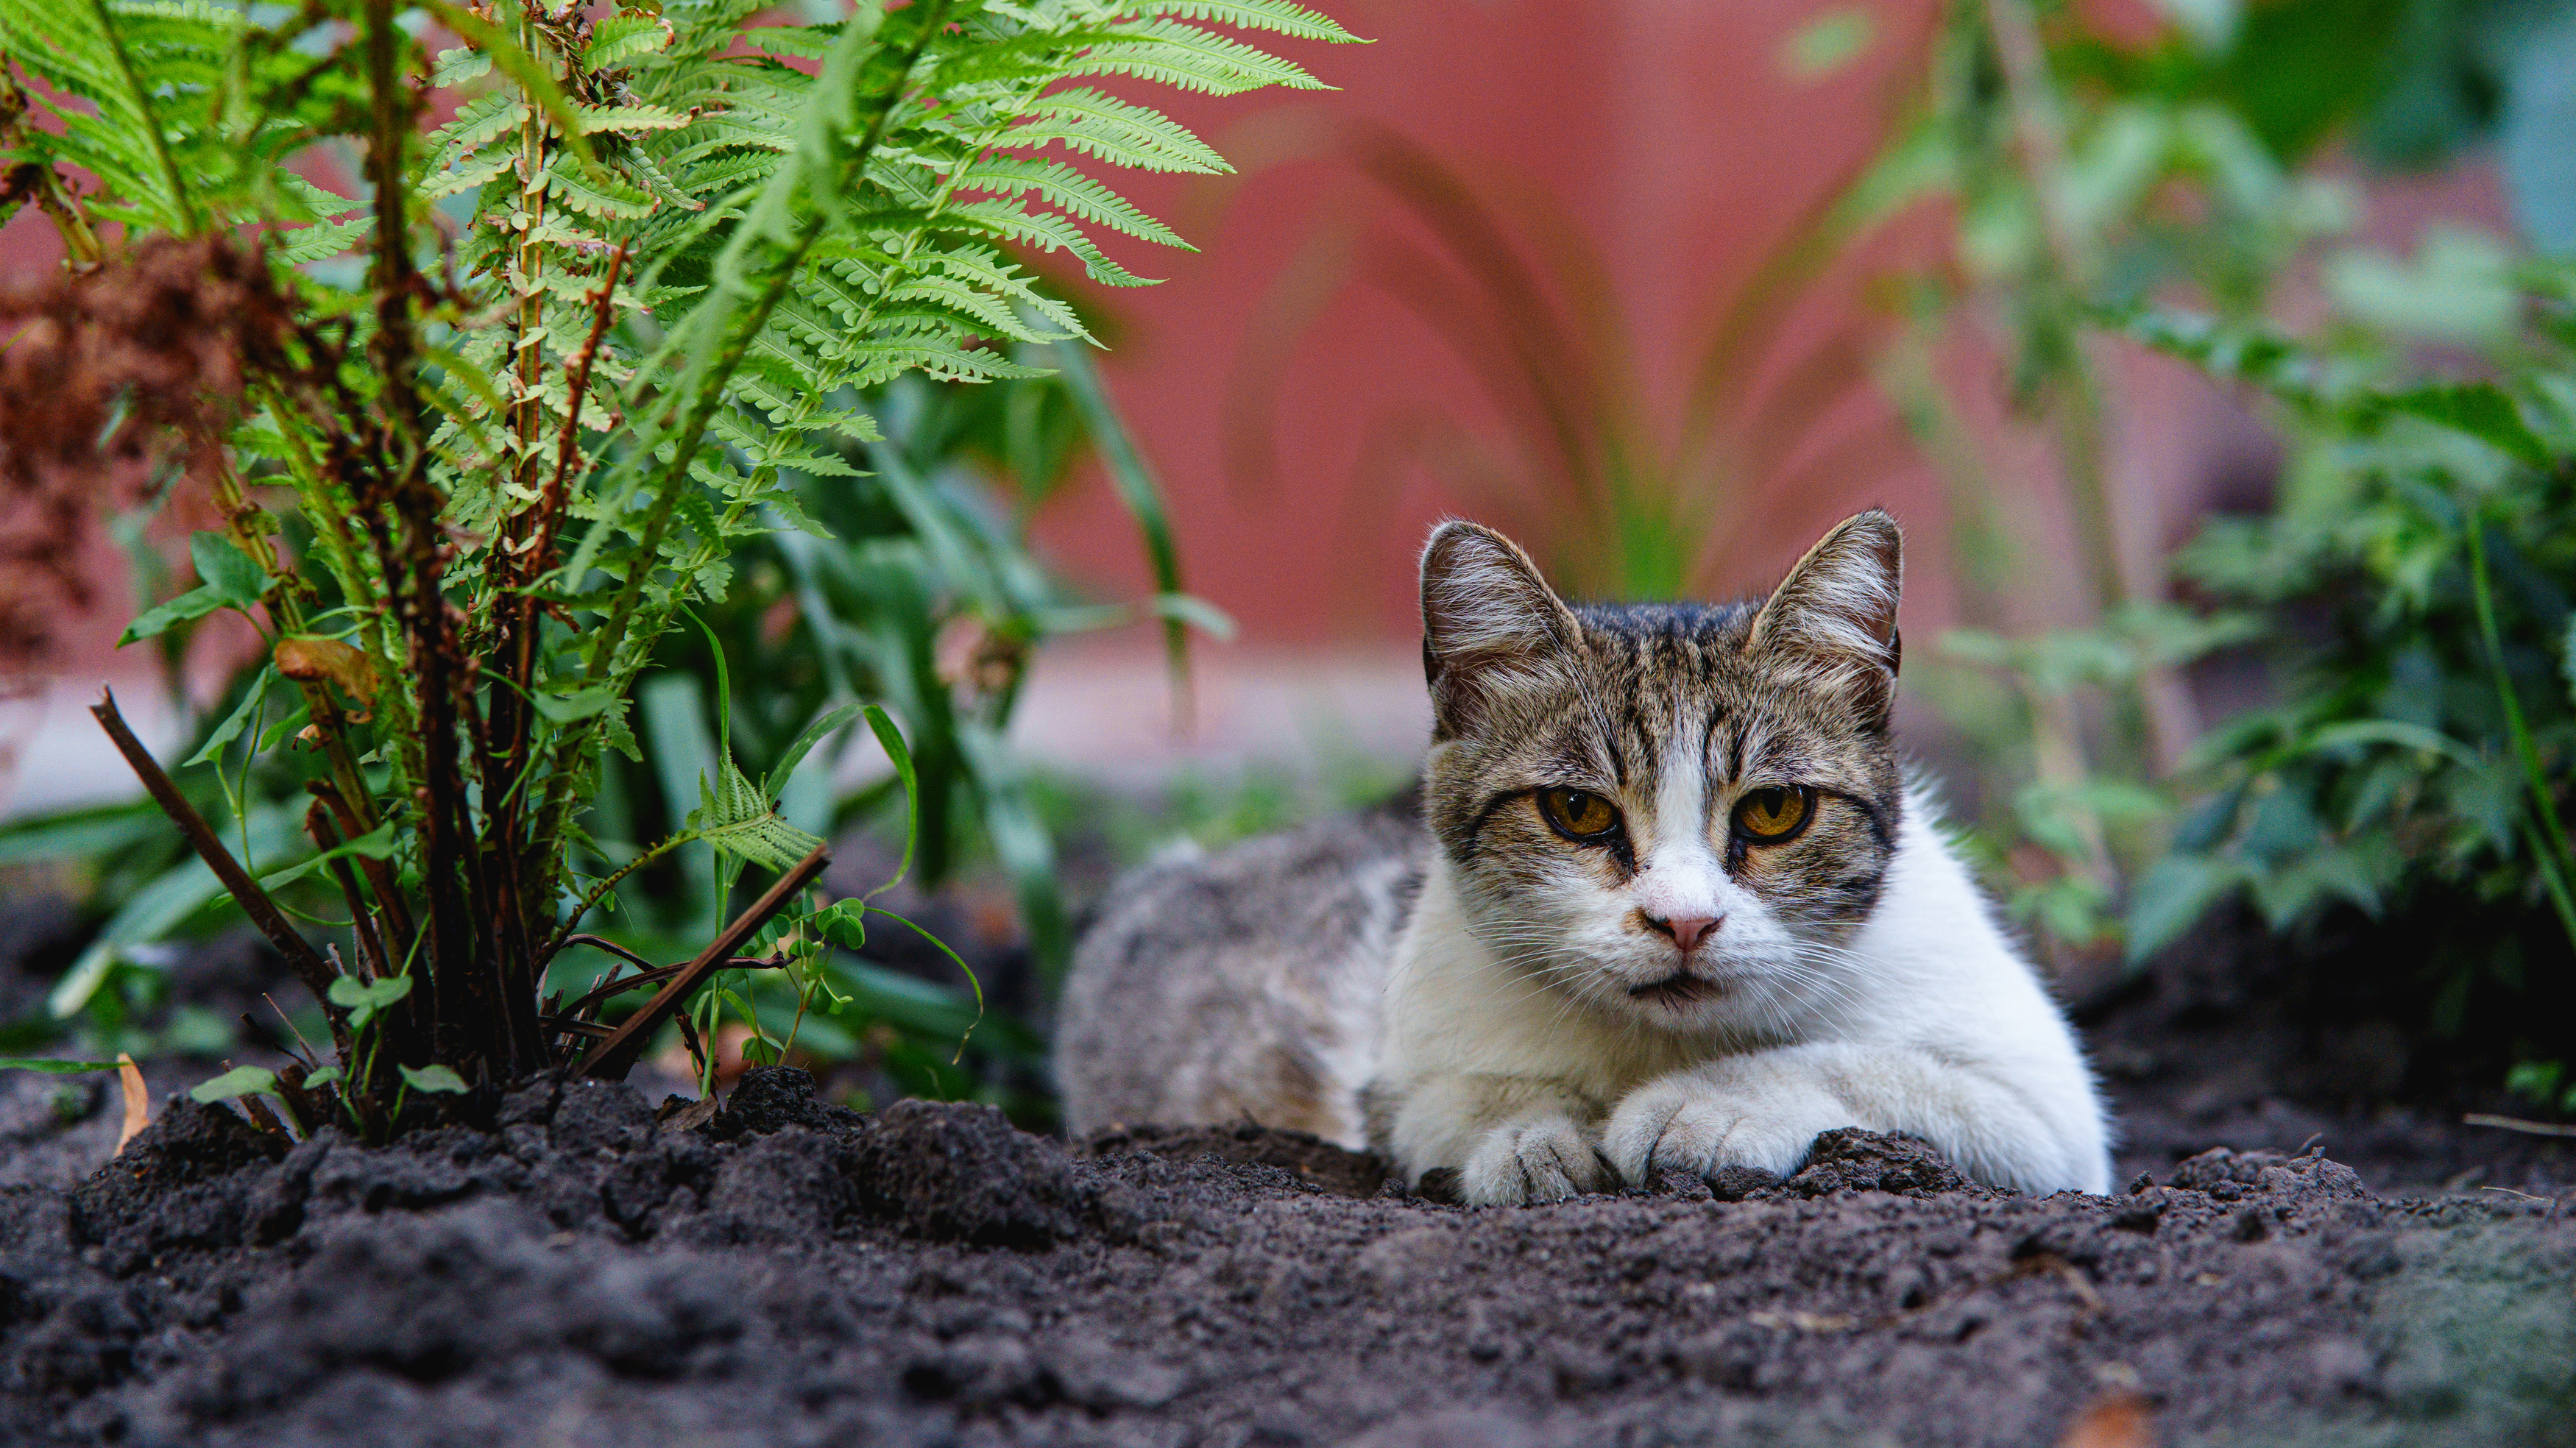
[1677, 907]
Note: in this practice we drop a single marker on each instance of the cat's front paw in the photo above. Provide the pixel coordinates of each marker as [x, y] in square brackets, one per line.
[1535, 1159]
[1699, 1127]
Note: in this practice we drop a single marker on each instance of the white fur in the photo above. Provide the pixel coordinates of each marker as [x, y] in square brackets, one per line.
[1510, 1034]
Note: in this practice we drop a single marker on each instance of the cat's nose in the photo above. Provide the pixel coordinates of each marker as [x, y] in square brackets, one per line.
[1687, 931]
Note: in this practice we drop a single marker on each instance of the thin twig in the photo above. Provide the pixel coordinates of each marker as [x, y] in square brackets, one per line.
[615, 1056]
[372, 960]
[611, 946]
[2516, 1123]
[263, 912]
[655, 976]
[291, 1026]
[600, 891]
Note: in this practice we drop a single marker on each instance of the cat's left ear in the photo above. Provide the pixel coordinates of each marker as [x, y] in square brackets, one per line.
[1832, 622]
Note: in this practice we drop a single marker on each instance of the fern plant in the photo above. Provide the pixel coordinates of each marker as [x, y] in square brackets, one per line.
[614, 313]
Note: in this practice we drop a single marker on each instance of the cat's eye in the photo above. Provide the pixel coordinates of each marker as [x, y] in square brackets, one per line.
[1769, 816]
[1578, 814]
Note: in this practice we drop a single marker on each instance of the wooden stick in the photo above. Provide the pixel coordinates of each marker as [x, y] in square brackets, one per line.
[614, 1057]
[308, 965]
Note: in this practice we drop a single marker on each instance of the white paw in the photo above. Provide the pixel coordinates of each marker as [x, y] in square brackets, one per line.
[1699, 1127]
[1535, 1159]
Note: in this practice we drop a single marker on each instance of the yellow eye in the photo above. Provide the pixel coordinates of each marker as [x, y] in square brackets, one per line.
[1578, 814]
[1768, 816]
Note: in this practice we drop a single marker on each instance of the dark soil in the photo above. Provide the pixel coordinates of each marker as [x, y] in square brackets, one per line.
[584, 1268]
[788, 1272]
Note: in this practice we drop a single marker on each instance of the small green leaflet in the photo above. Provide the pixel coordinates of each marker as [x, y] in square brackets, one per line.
[575, 706]
[230, 572]
[238, 719]
[239, 1081]
[435, 1078]
[232, 580]
[375, 844]
[362, 1000]
[155, 621]
[54, 1068]
[736, 818]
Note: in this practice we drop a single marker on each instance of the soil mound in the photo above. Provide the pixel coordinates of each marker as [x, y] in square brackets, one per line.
[788, 1273]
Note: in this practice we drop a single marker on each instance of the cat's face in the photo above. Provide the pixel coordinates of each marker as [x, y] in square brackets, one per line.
[1675, 813]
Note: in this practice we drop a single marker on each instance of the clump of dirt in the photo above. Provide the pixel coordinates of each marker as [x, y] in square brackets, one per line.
[788, 1273]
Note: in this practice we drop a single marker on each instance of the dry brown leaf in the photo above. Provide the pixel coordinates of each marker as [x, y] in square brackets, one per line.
[138, 1102]
[311, 661]
[2121, 1420]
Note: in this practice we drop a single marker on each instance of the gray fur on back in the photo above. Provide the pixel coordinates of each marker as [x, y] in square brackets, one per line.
[1242, 985]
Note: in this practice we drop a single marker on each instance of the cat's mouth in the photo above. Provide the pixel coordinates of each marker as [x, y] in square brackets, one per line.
[1676, 991]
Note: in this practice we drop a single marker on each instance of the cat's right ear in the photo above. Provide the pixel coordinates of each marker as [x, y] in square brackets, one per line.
[1492, 630]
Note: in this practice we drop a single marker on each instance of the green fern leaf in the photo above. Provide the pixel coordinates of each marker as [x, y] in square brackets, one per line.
[1013, 221]
[626, 36]
[1118, 132]
[318, 241]
[456, 67]
[1272, 15]
[1070, 191]
[630, 119]
[599, 194]
[1191, 59]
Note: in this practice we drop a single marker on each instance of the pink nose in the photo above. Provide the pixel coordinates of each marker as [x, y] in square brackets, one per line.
[1687, 933]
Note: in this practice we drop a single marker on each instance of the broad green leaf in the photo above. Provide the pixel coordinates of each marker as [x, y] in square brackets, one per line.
[2172, 896]
[2483, 411]
[815, 733]
[149, 914]
[892, 739]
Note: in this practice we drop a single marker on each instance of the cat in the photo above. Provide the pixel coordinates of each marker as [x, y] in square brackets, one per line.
[1677, 906]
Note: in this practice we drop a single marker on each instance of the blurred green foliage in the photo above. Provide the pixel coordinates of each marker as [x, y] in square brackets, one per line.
[2417, 570]
[2411, 585]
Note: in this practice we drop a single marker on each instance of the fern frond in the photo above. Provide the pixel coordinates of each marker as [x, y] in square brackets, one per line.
[626, 36]
[1070, 191]
[320, 240]
[599, 193]
[1191, 59]
[1277, 16]
[1116, 131]
[1013, 221]
[630, 119]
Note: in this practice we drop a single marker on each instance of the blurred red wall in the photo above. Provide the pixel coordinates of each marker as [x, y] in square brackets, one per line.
[1674, 131]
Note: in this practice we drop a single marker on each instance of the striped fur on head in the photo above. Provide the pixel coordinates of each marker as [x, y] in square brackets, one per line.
[1677, 715]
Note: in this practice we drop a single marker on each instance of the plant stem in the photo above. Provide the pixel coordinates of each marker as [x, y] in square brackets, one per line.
[315, 972]
[2556, 862]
